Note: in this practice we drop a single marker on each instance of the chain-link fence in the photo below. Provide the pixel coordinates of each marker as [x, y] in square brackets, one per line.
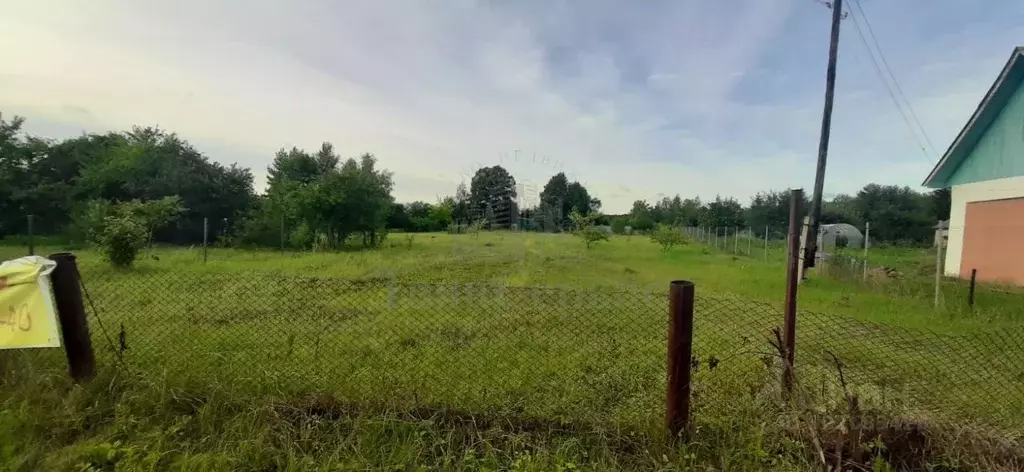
[575, 355]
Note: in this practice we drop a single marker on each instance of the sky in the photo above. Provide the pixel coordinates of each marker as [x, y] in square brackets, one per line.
[636, 100]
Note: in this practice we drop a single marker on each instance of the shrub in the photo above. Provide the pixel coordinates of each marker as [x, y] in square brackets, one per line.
[478, 225]
[121, 239]
[301, 237]
[123, 228]
[667, 236]
[321, 242]
[583, 227]
[592, 234]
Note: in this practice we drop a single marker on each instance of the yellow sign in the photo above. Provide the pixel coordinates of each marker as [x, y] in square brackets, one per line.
[27, 314]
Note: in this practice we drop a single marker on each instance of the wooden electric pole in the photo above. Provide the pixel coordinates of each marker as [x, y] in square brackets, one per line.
[814, 216]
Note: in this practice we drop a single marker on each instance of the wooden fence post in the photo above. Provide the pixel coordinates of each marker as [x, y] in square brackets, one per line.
[796, 199]
[67, 292]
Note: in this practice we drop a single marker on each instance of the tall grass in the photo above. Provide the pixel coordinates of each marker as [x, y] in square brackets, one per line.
[440, 355]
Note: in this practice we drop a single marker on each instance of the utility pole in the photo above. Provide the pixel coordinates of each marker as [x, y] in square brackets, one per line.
[811, 243]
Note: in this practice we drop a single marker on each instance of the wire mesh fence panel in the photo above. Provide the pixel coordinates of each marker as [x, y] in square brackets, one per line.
[916, 280]
[585, 355]
[575, 355]
[733, 361]
[917, 374]
[902, 373]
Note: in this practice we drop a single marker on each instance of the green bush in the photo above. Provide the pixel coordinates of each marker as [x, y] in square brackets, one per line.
[667, 236]
[301, 237]
[592, 234]
[121, 240]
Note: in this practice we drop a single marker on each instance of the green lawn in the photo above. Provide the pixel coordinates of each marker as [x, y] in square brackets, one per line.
[538, 338]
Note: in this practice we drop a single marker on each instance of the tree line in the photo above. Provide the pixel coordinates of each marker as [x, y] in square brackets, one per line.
[163, 188]
[897, 214]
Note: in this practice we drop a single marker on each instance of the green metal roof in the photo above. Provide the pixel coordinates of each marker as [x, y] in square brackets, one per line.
[988, 110]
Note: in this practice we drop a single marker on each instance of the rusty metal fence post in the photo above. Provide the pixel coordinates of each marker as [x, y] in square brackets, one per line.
[74, 328]
[680, 350]
[31, 235]
[206, 232]
[970, 294]
[796, 199]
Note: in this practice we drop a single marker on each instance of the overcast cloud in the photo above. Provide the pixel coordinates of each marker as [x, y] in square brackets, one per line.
[636, 99]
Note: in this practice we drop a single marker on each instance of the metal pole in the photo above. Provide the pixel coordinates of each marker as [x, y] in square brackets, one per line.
[867, 244]
[74, 327]
[938, 270]
[826, 127]
[680, 350]
[206, 231]
[766, 243]
[970, 294]
[736, 240]
[796, 199]
[31, 236]
[750, 241]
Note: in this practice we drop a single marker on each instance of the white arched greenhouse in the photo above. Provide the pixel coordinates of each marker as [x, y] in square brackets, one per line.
[840, 235]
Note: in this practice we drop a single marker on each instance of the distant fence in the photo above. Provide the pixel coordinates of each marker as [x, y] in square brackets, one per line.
[576, 355]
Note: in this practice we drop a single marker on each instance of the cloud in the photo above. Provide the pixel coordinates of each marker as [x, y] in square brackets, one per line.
[691, 97]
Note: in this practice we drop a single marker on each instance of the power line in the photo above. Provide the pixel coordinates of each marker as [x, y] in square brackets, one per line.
[899, 90]
[889, 88]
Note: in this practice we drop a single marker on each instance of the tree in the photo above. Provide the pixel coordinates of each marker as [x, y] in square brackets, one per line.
[367, 198]
[493, 190]
[583, 227]
[619, 225]
[398, 218]
[322, 204]
[580, 200]
[690, 209]
[441, 214]
[771, 209]
[460, 212]
[554, 197]
[667, 236]
[419, 214]
[326, 159]
[592, 234]
[841, 209]
[640, 216]
[294, 165]
[155, 213]
[560, 197]
[722, 213]
[896, 214]
[941, 202]
[149, 164]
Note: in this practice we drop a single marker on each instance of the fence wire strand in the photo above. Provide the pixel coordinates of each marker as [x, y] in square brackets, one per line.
[547, 352]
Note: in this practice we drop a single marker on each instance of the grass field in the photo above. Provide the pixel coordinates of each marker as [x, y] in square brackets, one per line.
[440, 351]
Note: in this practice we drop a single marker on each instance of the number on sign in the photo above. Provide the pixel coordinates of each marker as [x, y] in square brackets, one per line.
[17, 317]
